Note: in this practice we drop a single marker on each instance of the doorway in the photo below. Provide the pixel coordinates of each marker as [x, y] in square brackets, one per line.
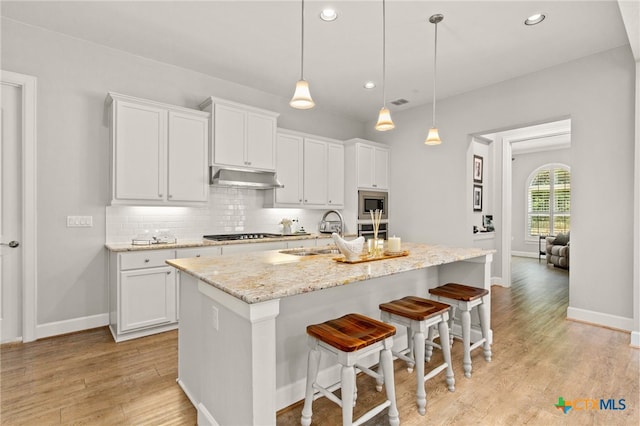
[539, 138]
[18, 270]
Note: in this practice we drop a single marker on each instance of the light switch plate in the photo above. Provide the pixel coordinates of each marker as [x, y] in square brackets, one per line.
[79, 221]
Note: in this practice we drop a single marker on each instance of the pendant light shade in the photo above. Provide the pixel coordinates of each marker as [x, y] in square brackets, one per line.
[384, 117]
[384, 120]
[302, 96]
[433, 138]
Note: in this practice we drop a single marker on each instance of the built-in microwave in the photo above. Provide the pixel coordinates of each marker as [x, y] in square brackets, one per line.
[372, 201]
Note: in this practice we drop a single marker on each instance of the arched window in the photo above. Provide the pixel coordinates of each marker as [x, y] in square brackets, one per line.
[549, 200]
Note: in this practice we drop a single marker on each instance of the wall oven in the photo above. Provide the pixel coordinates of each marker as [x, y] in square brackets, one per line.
[366, 230]
[372, 200]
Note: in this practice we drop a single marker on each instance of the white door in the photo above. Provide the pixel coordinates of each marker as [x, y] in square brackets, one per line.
[11, 214]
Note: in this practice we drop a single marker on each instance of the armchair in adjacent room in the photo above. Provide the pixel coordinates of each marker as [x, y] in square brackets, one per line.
[558, 250]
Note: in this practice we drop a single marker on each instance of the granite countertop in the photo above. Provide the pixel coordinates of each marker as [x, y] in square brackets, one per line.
[258, 277]
[185, 243]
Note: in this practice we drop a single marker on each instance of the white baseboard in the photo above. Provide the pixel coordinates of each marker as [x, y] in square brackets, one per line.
[635, 339]
[71, 325]
[498, 281]
[525, 254]
[204, 417]
[599, 318]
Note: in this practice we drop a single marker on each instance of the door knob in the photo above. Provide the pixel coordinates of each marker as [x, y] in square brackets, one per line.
[12, 244]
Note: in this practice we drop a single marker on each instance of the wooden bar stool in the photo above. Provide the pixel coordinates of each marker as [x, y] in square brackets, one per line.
[465, 298]
[351, 338]
[418, 315]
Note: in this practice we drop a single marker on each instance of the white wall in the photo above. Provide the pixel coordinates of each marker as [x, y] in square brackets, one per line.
[429, 183]
[522, 167]
[74, 77]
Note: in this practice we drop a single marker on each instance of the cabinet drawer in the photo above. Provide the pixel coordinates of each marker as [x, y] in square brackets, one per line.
[198, 252]
[145, 259]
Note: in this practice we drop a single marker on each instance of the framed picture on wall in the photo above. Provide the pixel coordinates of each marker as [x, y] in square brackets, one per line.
[477, 198]
[477, 168]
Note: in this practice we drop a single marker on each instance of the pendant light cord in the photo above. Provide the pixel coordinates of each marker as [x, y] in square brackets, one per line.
[302, 45]
[384, 55]
[435, 56]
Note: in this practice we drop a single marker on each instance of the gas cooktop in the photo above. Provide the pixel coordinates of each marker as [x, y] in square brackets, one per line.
[232, 237]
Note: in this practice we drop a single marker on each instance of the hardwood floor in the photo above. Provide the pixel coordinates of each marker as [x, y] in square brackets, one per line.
[538, 356]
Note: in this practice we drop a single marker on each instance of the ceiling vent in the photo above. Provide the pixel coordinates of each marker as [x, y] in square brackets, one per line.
[399, 102]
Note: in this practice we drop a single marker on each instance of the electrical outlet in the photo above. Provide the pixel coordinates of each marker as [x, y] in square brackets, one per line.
[79, 221]
[214, 317]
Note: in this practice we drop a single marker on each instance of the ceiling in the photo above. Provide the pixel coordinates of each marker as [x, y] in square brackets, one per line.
[257, 43]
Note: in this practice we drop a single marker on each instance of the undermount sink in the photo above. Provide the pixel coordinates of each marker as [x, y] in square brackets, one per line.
[310, 251]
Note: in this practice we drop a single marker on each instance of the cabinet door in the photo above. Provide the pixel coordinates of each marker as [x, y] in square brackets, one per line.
[365, 166]
[381, 169]
[335, 175]
[260, 141]
[139, 152]
[188, 162]
[315, 172]
[289, 163]
[228, 136]
[147, 297]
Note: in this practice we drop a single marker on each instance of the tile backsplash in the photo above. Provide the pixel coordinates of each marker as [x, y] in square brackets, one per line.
[229, 210]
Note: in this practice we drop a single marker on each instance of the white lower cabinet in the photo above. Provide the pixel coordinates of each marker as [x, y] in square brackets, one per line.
[142, 294]
[147, 298]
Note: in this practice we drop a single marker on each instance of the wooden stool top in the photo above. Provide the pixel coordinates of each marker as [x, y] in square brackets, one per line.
[415, 308]
[459, 292]
[351, 332]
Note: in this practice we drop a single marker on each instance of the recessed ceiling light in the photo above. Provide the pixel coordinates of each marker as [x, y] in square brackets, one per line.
[369, 85]
[534, 19]
[328, 15]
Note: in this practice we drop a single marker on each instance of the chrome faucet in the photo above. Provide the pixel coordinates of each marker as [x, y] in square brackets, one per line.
[341, 230]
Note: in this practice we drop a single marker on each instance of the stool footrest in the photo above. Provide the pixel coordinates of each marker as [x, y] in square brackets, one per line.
[435, 371]
[477, 344]
[369, 372]
[372, 413]
[328, 394]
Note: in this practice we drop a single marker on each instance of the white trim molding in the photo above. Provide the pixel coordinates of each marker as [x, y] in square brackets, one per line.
[71, 326]
[28, 86]
[599, 318]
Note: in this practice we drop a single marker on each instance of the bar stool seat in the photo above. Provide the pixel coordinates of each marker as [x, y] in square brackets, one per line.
[465, 298]
[418, 315]
[351, 338]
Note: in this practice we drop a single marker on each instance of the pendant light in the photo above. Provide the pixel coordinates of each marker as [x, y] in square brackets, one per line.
[302, 97]
[433, 138]
[384, 117]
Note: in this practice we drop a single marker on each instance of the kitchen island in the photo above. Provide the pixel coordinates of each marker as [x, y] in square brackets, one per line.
[242, 330]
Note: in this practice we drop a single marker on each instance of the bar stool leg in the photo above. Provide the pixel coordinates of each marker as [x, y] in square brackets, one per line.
[386, 359]
[429, 349]
[410, 347]
[465, 316]
[313, 365]
[446, 353]
[421, 394]
[483, 314]
[348, 385]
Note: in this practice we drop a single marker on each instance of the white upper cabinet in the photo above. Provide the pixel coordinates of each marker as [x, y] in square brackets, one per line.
[241, 135]
[159, 152]
[311, 168]
[315, 172]
[188, 147]
[372, 166]
[335, 175]
[289, 166]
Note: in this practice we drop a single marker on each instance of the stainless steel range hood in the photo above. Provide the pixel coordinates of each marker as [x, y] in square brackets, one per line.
[253, 179]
